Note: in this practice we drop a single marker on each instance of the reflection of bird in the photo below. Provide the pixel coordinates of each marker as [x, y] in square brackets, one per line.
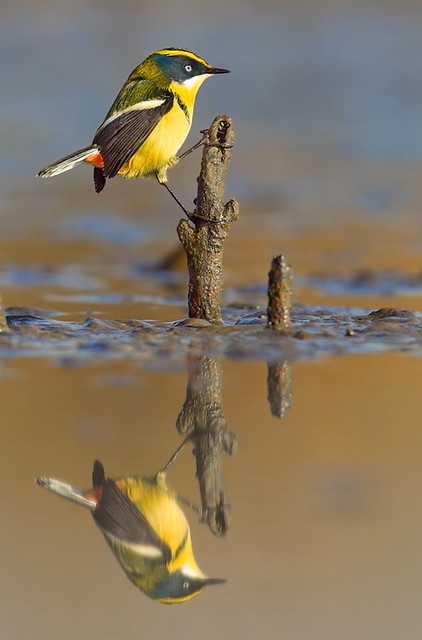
[148, 121]
[146, 529]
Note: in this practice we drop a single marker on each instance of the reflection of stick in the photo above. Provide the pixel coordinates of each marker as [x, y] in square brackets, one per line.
[279, 294]
[203, 418]
[212, 220]
[279, 383]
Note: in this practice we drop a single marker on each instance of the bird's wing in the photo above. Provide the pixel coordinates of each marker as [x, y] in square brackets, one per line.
[120, 518]
[121, 135]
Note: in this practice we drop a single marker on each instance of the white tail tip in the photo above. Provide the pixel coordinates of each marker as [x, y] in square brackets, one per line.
[66, 491]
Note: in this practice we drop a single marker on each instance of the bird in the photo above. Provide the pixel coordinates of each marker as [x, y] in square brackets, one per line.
[148, 121]
[146, 529]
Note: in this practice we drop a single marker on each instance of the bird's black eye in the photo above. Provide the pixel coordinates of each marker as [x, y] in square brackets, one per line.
[186, 584]
[188, 68]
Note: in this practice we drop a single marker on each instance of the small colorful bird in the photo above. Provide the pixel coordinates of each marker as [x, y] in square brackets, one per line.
[148, 121]
[146, 529]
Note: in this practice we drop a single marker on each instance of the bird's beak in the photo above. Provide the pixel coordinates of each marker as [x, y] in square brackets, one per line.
[215, 70]
[214, 581]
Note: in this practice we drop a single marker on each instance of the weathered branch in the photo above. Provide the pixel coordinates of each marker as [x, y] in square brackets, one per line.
[212, 219]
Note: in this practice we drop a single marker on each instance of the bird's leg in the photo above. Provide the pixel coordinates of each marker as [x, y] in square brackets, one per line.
[193, 217]
[197, 145]
[203, 140]
[173, 195]
[161, 176]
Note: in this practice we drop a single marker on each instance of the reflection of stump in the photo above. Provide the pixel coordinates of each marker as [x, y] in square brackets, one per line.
[202, 417]
[212, 220]
[279, 384]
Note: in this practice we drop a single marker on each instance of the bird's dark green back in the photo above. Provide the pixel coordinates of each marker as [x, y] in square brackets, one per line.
[137, 89]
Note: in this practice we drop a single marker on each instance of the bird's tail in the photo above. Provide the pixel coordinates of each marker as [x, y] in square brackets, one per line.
[68, 162]
[67, 491]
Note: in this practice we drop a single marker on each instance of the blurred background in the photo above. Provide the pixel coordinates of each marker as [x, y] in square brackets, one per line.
[326, 103]
[326, 99]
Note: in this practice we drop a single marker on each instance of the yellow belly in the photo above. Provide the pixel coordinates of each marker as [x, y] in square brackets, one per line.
[159, 150]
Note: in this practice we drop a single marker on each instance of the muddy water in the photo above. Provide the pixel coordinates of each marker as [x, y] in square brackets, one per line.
[324, 525]
[325, 530]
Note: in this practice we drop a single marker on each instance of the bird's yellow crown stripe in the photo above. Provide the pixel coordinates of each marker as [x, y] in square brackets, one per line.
[184, 52]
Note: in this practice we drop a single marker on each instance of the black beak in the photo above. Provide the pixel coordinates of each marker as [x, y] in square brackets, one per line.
[214, 581]
[215, 70]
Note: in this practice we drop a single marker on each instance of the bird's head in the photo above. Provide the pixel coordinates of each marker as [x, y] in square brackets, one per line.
[179, 66]
[180, 586]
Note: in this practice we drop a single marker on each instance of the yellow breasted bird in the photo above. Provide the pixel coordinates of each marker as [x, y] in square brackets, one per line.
[146, 529]
[148, 121]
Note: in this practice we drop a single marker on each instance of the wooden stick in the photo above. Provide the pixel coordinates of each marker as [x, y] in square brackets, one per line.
[212, 219]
